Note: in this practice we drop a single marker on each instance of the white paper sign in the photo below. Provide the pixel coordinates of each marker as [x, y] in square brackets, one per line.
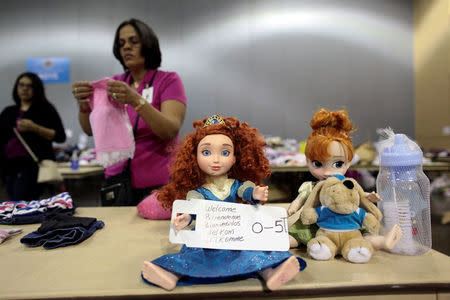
[224, 225]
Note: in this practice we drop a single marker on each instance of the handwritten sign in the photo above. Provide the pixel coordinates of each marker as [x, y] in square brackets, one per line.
[224, 225]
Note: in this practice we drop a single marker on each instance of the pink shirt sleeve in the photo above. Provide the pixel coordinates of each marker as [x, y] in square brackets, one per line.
[171, 88]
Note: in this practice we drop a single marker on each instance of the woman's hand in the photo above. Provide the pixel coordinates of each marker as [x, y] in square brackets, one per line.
[261, 193]
[181, 221]
[82, 90]
[25, 125]
[122, 93]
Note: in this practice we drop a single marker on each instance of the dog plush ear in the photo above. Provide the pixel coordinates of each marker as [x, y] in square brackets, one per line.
[313, 199]
[366, 204]
[308, 214]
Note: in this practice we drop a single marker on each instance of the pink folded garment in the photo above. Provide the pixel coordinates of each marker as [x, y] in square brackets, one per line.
[111, 127]
[6, 233]
[150, 208]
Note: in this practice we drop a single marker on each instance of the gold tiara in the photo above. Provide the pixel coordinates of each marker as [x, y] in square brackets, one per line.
[215, 119]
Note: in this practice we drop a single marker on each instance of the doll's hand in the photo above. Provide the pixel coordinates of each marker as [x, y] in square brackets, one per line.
[373, 197]
[261, 193]
[25, 125]
[181, 221]
[122, 93]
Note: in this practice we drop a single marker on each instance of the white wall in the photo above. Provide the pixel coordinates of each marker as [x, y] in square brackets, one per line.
[270, 63]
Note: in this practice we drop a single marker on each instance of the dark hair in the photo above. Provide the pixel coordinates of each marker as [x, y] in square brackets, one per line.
[37, 85]
[149, 41]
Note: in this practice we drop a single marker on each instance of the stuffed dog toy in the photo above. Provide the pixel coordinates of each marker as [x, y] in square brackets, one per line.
[340, 219]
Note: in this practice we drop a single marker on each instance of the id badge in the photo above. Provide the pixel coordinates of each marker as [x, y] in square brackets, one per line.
[147, 93]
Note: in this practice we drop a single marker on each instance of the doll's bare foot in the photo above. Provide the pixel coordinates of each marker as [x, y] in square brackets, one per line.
[359, 255]
[275, 278]
[320, 251]
[293, 243]
[157, 275]
[392, 237]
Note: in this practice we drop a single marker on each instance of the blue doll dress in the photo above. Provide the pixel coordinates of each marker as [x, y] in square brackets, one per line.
[201, 265]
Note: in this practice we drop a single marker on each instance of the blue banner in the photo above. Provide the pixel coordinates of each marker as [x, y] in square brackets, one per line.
[50, 69]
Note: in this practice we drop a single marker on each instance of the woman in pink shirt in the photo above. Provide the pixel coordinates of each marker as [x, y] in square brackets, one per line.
[156, 96]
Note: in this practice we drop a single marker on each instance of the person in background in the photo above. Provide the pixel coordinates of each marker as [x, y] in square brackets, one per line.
[39, 124]
[156, 97]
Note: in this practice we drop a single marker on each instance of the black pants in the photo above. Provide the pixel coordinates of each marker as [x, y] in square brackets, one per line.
[140, 194]
[21, 184]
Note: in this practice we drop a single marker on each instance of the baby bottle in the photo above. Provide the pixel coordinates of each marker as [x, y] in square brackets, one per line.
[405, 191]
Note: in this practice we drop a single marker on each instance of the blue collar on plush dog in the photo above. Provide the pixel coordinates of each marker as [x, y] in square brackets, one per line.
[339, 176]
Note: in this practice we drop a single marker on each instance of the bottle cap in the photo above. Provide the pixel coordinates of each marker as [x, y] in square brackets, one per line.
[401, 154]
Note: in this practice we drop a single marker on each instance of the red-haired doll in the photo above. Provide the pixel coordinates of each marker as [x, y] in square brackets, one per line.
[329, 151]
[222, 160]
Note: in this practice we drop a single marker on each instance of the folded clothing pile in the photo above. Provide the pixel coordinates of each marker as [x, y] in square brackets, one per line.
[60, 230]
[29, 212]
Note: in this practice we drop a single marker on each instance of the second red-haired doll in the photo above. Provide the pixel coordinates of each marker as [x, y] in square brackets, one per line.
[329, 151]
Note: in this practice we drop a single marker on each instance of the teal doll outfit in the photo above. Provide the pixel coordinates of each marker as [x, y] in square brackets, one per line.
[329, 220]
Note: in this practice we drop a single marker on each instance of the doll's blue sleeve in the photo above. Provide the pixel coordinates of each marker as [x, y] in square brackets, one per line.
[245, 191]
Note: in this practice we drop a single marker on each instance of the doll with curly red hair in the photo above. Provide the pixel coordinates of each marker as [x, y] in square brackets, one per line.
[222, 160]
[186, 174]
